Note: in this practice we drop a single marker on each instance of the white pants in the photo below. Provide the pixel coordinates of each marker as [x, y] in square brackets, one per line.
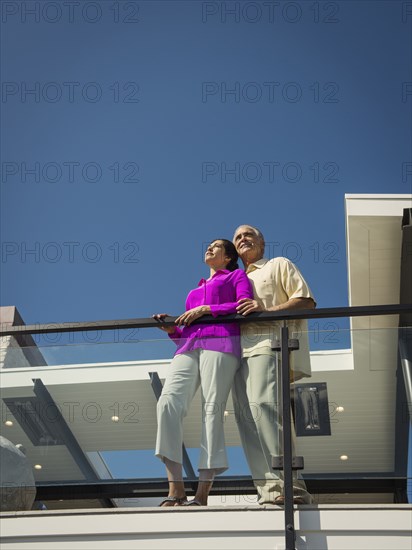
[213, 372]
[256, 403]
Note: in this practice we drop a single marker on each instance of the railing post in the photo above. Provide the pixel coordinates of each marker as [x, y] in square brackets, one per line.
[290, 535]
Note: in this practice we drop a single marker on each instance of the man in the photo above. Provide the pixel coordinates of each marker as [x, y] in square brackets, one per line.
[277, 285]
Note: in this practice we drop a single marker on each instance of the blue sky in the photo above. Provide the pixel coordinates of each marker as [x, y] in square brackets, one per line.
[132, 133]
[161, 221]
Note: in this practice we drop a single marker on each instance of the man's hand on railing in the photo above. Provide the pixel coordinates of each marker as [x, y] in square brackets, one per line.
[247, 305]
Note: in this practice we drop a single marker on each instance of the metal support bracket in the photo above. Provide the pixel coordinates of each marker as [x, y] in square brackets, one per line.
[297, 462]
[293, 345]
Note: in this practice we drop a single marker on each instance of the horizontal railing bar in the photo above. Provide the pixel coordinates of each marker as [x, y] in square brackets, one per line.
[222, 486]
[263, 316]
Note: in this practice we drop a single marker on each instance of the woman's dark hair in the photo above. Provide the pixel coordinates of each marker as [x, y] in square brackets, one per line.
[230, 252]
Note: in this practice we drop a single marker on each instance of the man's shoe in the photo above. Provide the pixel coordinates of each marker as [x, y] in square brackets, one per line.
[280, 500]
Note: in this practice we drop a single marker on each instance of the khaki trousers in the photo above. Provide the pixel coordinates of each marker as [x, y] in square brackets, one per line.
[213, 372]
[259, 418]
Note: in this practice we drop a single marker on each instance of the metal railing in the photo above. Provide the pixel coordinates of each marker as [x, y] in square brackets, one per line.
[264, 316]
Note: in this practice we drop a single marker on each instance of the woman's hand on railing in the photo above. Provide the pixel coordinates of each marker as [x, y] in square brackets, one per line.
[191, 315]
[160, 317]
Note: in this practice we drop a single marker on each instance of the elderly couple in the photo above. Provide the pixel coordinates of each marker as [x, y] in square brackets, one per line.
[221, 357]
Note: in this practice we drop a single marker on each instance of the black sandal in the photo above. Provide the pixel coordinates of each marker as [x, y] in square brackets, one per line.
[193, 502]
[178, 501]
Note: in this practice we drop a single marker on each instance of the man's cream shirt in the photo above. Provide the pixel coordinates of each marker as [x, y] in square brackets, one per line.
[275, 282]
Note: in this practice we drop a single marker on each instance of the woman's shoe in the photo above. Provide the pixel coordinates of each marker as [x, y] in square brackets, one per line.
[193, 502]
[168, 502]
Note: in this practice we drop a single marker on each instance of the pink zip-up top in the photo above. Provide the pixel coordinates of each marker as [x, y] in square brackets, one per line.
[221, 293]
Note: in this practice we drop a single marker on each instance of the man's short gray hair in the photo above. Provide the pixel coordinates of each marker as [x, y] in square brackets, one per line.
[258, 233]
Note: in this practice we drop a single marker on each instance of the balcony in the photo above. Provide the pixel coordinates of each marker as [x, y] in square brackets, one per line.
[81, 400]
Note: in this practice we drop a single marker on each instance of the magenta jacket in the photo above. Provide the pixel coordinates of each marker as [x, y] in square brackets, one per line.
[221, 293]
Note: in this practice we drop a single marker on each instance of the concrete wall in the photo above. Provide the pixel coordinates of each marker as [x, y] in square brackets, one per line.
[21, 351]
[318, 528]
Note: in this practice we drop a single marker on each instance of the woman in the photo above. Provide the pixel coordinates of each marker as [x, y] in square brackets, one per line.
[206, 356]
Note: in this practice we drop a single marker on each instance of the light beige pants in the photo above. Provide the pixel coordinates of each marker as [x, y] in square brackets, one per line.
[213, 372]
[256, 403]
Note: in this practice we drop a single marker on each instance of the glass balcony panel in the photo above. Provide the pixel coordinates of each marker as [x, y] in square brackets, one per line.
[368, 418]
[103, 392]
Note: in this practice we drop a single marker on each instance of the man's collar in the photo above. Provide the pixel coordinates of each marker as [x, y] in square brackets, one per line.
[256, 265]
